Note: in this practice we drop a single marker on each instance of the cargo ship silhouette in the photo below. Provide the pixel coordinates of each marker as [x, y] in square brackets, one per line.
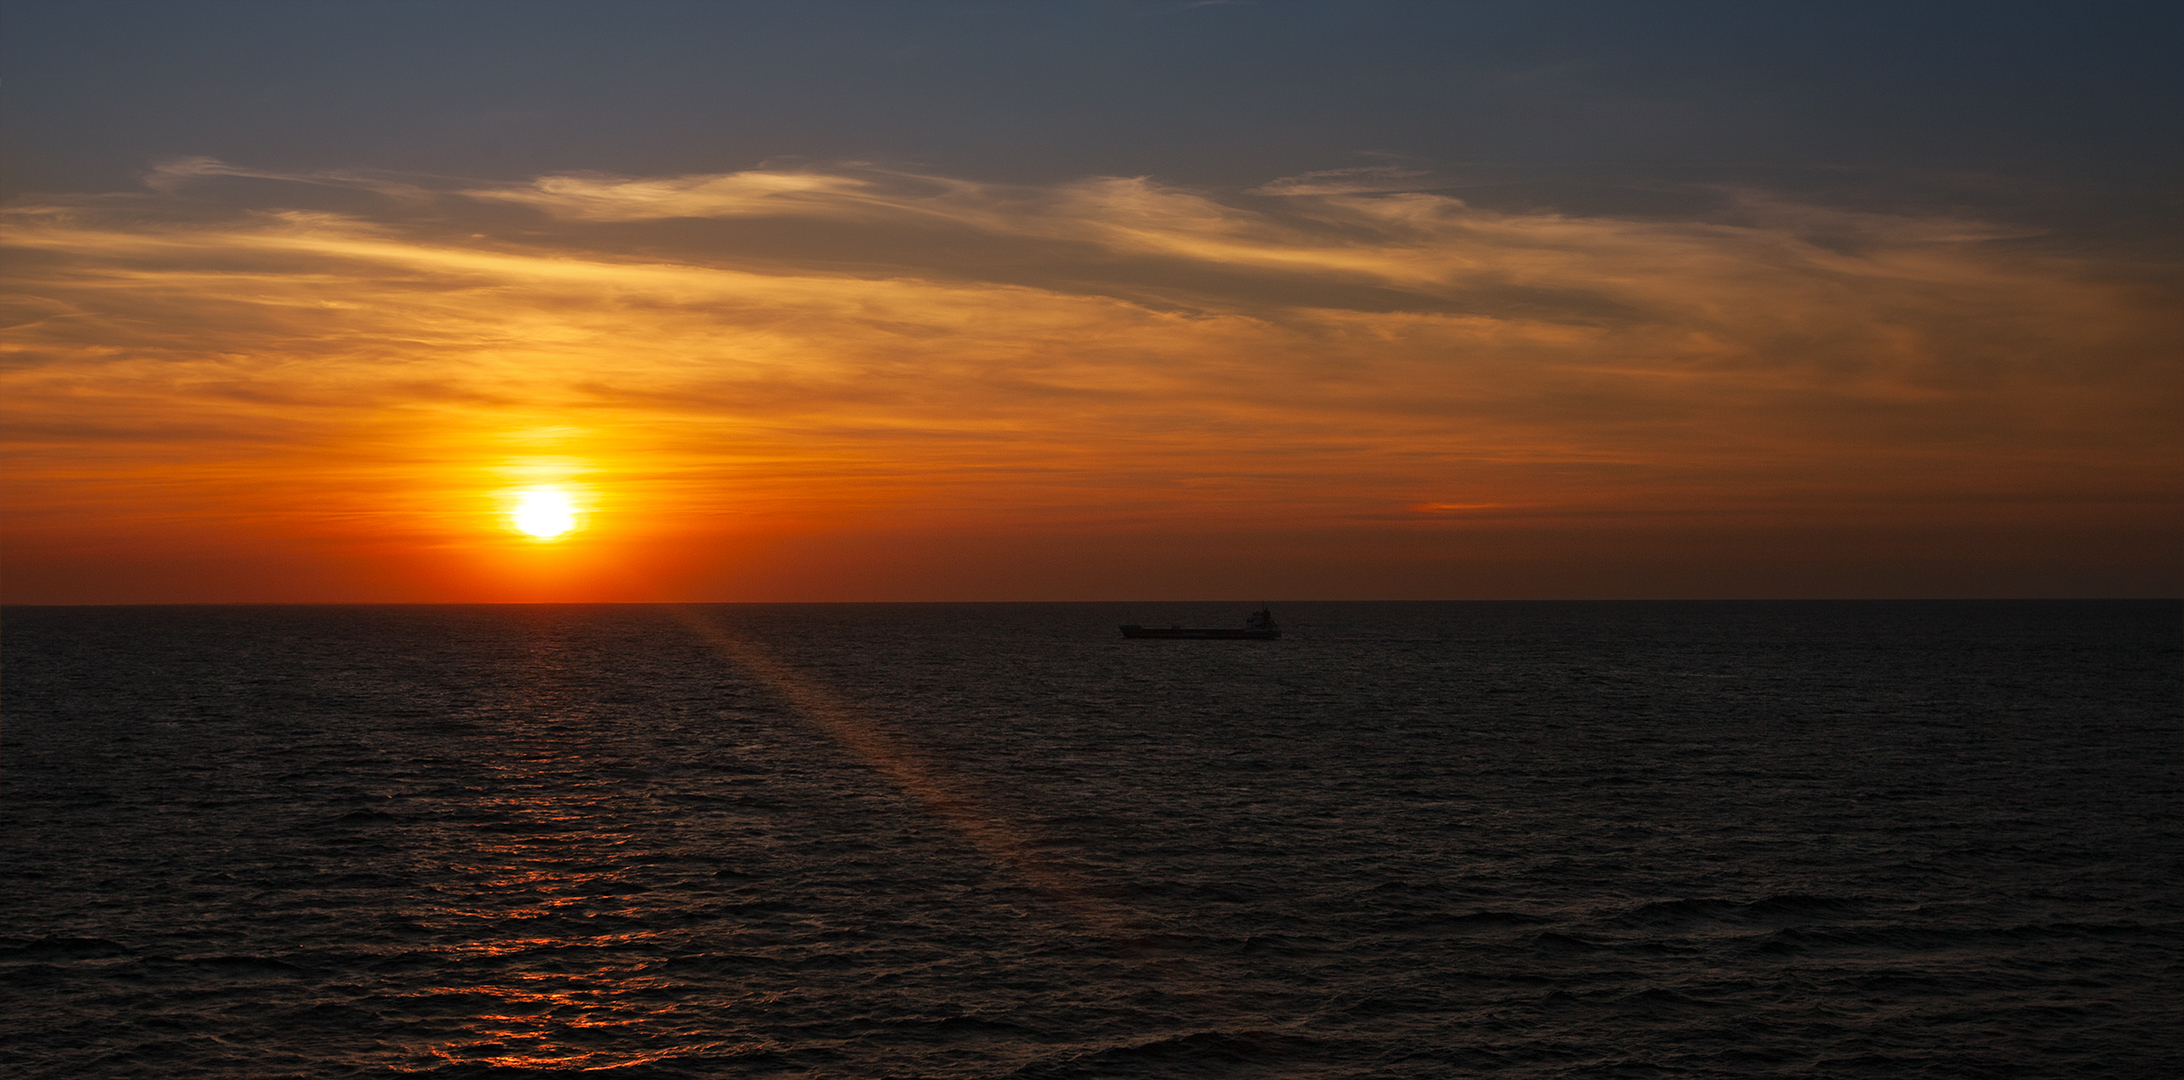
[1259, 627]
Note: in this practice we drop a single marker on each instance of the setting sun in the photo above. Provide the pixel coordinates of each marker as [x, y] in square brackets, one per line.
[544, 513]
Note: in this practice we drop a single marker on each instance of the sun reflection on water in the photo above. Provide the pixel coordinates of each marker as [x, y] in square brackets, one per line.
[546, 948]
[562, 947]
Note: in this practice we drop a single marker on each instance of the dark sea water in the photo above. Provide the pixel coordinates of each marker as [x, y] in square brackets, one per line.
[1408, 840]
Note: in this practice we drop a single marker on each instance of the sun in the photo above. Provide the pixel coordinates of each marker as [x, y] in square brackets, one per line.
[544, 513]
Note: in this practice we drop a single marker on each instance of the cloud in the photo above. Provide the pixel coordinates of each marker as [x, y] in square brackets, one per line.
[173, 174]
[800, 345]
[606, 198]
[1363, 179]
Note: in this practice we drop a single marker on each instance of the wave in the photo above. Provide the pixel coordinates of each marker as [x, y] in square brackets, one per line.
[1701, 910]
[60, 948]
[1202, 1053]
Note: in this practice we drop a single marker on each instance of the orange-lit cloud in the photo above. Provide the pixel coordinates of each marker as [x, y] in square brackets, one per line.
[739, 371]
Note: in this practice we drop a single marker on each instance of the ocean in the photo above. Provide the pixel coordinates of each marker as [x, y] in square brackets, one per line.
[1931, 839]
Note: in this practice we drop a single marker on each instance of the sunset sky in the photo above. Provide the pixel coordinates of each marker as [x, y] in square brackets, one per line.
[896, 301]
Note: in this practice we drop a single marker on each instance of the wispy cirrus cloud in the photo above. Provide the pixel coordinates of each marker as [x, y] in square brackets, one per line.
[1356, 180]
[853, 344]
[591, 197]
[173, 174]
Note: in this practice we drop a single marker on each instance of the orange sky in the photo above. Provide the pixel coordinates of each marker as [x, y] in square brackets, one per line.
[852, 383]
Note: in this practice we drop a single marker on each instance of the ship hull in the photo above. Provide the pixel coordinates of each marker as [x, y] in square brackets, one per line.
[1193, 633]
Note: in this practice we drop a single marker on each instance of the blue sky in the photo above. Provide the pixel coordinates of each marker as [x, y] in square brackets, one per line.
[1196, 93]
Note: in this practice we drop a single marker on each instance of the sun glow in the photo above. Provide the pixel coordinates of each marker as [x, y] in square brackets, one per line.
[544, 513]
